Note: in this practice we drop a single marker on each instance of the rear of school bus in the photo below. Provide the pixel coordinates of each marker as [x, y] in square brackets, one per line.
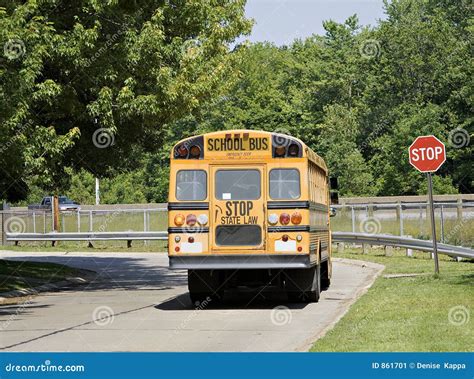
[242, 215]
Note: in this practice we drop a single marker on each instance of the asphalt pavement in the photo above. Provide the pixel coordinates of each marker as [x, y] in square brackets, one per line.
[136, 304]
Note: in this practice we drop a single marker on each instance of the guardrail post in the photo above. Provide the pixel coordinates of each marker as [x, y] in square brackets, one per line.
[398, 210]
[400, 214]
[459, 208]
[90, 221]
[44, 222]
[421, 220]
[3, 228]
[34, 222]
[442, 224]
[353, 219]
[78, 221]
[365, 248]
[409, 251]
[145, 225]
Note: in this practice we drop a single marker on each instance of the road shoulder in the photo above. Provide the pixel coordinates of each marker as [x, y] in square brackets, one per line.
[375, 270]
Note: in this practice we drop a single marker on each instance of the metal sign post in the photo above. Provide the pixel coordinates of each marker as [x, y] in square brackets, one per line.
[433, 224]
[427, 154]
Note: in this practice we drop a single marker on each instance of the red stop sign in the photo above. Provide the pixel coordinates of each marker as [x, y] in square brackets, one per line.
[427, 153]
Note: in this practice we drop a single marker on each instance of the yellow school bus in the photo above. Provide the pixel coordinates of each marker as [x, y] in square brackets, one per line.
[249, 209]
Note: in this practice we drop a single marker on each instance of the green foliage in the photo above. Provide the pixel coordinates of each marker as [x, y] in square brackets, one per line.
[359, 97]
[126, 68]
[150, 73]
[125, 188]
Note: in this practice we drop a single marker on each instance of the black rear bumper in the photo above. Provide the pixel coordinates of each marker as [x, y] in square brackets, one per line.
[241, 261]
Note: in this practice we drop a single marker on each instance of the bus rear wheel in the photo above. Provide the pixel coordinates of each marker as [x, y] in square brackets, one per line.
[325, 279]
[204, 287]
[304, 285]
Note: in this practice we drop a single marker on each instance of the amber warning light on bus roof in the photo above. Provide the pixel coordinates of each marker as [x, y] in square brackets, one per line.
[190, 149]
[284, 146]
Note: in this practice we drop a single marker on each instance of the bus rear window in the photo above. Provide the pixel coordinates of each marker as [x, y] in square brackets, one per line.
[191, 185]
[284, 184]
[237, 184]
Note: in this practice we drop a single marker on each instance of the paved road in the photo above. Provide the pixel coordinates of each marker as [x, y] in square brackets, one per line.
[137, 304]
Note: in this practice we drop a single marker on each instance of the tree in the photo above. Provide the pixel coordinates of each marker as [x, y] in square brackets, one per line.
[88, 84]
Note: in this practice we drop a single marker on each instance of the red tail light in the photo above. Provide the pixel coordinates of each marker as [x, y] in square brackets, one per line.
[296, 218]
[195, 151]
[284, 238]
[280, 151]
[182, 151]
[284, 219]
[293, 150]
[191, 220]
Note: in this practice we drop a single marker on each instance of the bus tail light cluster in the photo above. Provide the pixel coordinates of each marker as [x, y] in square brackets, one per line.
[193, 152]
[293, 151]
[296, 218]
[272, 219]
[192, 148]
[285, 218]
[179, 220]
[285, 147]
[190, 219]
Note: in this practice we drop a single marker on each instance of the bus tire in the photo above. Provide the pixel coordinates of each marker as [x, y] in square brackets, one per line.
[200, 298]
[203, 286]
[325, 279]
[304, 285]
[313, 294]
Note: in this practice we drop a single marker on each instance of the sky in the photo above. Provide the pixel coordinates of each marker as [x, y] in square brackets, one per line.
[281, 21]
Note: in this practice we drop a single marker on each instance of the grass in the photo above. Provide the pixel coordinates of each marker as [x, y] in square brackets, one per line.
[98, 246]
[416, 224]
[15, 275]
[408, 313]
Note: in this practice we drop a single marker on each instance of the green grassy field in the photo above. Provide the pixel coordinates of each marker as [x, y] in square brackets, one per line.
[98, 246]
[456, 231]
[422, 313]
[15, 275]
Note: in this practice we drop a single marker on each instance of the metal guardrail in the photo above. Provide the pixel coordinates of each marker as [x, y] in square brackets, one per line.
[88, 236]
[405, 205]
[404, 242]
[358, 238]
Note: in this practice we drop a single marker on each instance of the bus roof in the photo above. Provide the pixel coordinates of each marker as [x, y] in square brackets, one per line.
[244, 133]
